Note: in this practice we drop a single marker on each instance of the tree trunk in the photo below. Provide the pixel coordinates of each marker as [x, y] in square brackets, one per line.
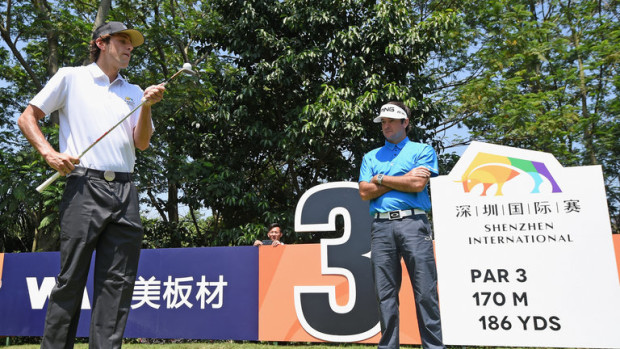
[173, 203]
[589, 129]
[102, 13]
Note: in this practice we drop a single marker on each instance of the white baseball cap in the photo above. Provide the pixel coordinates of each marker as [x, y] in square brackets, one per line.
[391, 111]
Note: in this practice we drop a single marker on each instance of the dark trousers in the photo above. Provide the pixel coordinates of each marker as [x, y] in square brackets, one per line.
[102, 216]
[411, 239]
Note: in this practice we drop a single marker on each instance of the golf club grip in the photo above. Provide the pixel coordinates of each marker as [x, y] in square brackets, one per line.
[48, 182]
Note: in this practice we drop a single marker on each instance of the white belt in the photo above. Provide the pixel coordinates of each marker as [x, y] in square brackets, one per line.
[398, 214]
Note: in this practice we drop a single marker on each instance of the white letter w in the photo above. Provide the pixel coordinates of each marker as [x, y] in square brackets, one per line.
[38, 296]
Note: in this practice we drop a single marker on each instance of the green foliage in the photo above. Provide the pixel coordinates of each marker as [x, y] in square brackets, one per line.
[286, 94]
[24, 216]
[29, 221]
[299, 84]
[542, 76]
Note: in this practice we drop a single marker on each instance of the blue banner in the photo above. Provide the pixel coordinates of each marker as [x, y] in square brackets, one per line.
[194, 293]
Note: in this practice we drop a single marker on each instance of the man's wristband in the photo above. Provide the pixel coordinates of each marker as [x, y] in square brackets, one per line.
[380, 178]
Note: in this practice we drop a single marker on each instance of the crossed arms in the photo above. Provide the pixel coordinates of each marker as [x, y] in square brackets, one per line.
[413, 181]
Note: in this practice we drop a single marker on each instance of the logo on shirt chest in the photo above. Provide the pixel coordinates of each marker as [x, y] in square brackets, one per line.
[130, 102]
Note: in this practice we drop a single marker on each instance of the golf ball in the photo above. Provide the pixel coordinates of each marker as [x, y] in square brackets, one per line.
[187, 66]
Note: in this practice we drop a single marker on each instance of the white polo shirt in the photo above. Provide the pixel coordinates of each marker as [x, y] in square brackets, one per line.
[88, 106]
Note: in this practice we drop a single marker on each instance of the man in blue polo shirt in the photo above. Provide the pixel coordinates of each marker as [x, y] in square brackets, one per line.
[394, 179]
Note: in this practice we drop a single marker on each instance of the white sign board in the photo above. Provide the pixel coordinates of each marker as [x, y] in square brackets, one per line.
[524, 252]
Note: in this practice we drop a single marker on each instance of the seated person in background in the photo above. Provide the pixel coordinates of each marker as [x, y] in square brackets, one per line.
[274, 234]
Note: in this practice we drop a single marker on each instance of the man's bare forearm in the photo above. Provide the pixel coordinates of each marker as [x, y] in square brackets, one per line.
[143, 131]
[413, 181]
[406, 183]
[28, 123]
[369, 191]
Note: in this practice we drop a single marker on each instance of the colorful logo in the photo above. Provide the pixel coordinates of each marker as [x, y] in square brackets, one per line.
[130, 101]
[488, 170]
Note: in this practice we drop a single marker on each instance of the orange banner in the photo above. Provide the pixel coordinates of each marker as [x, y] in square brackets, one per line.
[284, 267]
[616, 238]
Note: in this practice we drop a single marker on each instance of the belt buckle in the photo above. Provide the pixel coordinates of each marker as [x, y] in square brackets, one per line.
[109, 175]
[394, 215]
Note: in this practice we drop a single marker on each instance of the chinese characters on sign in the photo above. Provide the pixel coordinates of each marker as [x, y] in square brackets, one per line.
[518, 208]
[519, 241]
[178, 292]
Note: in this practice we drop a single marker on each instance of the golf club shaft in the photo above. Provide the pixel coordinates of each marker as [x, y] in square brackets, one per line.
[51, 180]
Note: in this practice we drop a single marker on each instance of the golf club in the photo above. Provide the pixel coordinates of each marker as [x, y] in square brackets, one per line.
[187, 69]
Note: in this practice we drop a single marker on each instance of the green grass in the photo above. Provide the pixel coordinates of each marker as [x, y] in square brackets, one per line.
[216, 345]
[132, 344]
[222, 345]
[249, 345]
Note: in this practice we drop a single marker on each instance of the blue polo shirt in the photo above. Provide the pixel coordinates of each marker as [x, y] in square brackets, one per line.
[397, 160]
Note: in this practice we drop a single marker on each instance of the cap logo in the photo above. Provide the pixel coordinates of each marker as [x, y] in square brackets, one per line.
[391, 111]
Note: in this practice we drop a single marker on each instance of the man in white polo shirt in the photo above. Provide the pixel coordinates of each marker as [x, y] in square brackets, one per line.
[99, 209]
[394, 178]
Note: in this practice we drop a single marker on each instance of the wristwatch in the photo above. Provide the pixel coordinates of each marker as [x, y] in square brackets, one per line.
[380, 178]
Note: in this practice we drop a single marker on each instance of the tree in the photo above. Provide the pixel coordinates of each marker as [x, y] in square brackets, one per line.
[35, 31]
[543, 76]
[299, 83]
[31, 32]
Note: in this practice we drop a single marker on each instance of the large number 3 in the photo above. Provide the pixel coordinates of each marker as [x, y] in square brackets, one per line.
[348, 255]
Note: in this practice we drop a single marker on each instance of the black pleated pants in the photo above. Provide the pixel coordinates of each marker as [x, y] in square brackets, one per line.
[100, 215]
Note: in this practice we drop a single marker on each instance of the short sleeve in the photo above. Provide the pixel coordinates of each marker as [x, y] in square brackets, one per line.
[428, 159]
[53, 95]
[365, 170]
